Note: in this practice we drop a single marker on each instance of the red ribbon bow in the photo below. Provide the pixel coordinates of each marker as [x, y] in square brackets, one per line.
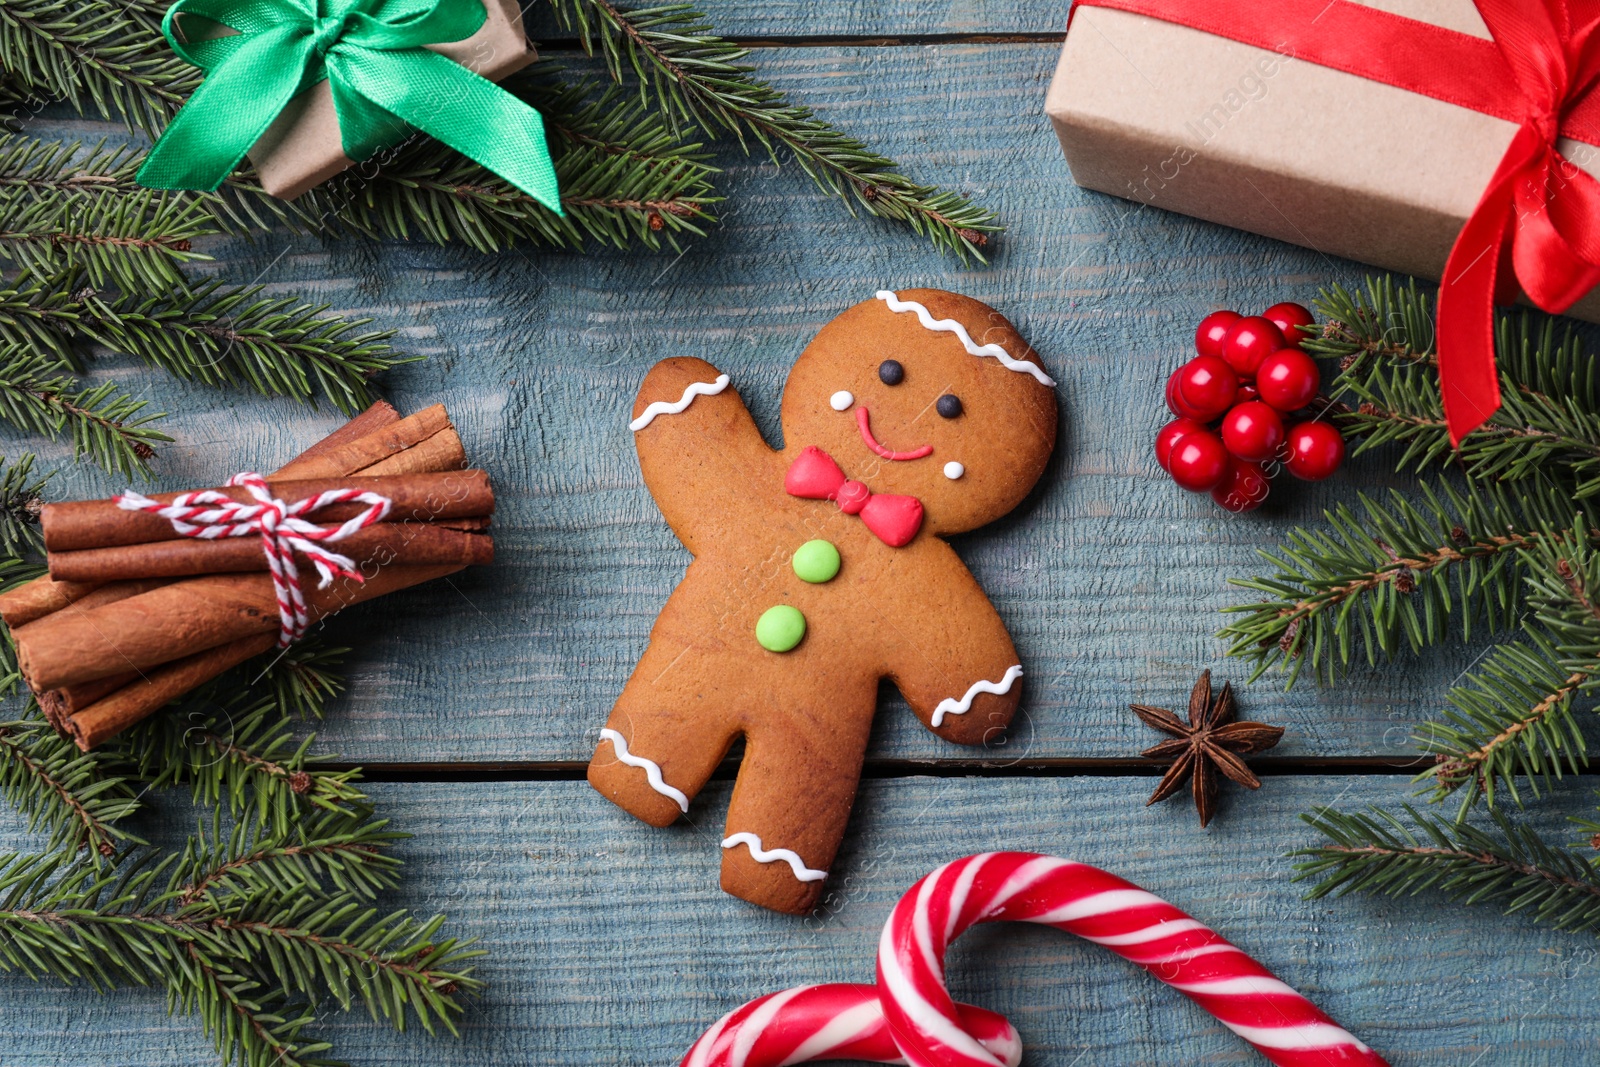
[814, 475]
[1538, 221]
[1540, 214]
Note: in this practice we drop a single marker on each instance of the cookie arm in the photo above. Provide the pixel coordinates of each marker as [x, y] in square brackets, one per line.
[699, 449]
[960, 672]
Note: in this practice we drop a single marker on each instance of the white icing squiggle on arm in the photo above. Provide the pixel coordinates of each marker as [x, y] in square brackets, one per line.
[973, 348]
[661, 407]
[652, 769]
[952, 706]
[761, 855]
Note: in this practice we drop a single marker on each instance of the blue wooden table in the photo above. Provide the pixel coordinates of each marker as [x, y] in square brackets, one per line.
[476, 703]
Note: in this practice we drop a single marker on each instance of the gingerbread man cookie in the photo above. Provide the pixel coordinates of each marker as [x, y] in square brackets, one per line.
[819, 569]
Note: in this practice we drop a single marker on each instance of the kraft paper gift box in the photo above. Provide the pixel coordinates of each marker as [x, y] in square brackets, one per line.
[302, 148]
[1178, 118]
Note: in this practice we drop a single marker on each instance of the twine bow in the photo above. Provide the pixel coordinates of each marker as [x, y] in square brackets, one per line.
[383, 80]
[283, 533]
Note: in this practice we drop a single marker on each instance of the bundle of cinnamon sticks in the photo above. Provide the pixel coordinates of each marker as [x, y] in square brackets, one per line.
[133, 614]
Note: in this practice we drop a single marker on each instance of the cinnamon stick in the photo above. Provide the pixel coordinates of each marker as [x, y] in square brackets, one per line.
[130, 704]
[87, 524]
[374, 447]
[180, 619]
[441, 452]
[386, 542]
[59, 705]
[375, 418]
[38, 598]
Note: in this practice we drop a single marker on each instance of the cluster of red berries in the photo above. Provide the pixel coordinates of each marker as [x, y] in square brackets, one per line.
[1231, 401]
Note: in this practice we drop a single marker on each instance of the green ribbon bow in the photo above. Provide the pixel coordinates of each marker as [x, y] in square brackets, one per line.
[383, 80]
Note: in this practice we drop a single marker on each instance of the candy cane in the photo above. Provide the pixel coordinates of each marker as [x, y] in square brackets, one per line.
[908, 1017]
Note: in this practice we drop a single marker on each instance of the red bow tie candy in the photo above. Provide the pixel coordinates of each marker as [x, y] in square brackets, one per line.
[814, 475]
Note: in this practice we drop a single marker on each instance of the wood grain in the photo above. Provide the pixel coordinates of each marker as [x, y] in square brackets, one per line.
[610, 943]
[1109, 577]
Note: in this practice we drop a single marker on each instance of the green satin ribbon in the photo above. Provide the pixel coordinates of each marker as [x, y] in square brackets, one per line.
[383, 80]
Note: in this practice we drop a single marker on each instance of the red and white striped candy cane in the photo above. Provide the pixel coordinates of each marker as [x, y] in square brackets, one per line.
[916, 1022]
[829, 1022]
[208, 514]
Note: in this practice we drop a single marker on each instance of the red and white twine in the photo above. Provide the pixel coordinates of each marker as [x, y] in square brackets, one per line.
[908, 1017]
[208, 514]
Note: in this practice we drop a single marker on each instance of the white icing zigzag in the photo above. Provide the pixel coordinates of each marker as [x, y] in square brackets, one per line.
[952, 326]
[952, 706]
[761, 855]
[661, 407]
[652, 770]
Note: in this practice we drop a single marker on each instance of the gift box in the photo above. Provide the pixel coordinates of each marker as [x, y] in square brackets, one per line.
[1275, 138]
[302, 148]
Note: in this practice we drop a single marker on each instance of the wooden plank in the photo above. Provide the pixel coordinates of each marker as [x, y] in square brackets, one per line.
[612, 945]
[857, 18]
[1109, 577]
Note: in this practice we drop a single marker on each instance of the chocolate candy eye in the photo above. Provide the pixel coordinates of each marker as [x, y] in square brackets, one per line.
[890, 372]
[948, 405]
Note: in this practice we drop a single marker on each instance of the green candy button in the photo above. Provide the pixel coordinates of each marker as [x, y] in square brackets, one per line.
[780, 628]
[816, 561]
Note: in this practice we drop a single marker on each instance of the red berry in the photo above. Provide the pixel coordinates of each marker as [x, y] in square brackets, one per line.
[1247, 392]
[1213, 328]
[1198, 461]
[1243, 488]
[1288, 318]
[1315, 450]
[1174, 405]
[1169, 436]
[1253, 431]
[1288, 379]
[1249, 341]
[1205, 387]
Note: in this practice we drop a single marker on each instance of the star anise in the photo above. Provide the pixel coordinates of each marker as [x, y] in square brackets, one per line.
[1206, 744]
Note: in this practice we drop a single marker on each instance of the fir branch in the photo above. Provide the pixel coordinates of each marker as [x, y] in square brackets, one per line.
[1377, 852]
[211, 333]
[252, 963]
[65, 793]
[136, 241]
[1394, 575]
[21, 497]
[699, 79]
[1514, 718]
[232, 336]
[334, 851]
[1549, 419]
[39, 395]
[234, 749]
[624, 176]
[106, 57]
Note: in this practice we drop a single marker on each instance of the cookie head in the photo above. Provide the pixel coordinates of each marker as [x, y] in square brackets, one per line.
[929, 394]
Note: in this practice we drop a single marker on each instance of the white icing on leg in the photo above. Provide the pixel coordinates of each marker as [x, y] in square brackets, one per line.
[652, 769]
[762, 855]
[661, 407]
[973, 348]
[952, 706]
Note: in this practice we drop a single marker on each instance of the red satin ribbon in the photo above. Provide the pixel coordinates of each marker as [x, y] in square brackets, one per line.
[1538, 221]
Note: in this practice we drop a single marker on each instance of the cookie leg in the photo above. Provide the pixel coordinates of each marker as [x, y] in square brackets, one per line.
[788, 815]
[652, 759]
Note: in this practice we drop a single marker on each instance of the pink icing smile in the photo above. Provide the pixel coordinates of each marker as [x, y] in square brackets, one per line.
[865, 423]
